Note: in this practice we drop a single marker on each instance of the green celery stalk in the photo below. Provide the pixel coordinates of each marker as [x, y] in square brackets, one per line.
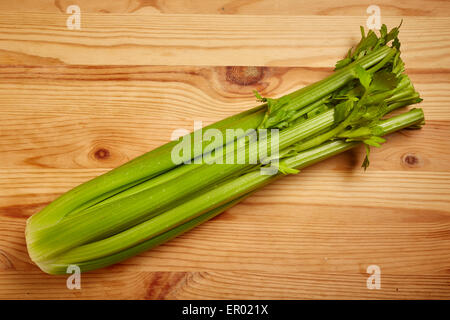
[159, 160]
[202, 208]
[152, 199]
[131, 173]
[119, 215]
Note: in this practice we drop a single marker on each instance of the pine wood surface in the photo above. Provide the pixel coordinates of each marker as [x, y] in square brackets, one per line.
[76, 103]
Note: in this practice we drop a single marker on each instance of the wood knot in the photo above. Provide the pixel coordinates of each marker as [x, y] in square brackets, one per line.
[244, 76]
[411, 160]
[102, 154]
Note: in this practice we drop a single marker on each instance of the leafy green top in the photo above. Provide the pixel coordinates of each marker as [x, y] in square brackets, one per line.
[358, 105]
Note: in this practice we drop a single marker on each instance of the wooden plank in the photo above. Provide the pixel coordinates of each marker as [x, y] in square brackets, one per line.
[392, 189]
[74, 104]
[222, 285]
[298, 224]
[115, 285]
[75, 117]
[222, 40]
[148, 92]
[57, 160]
[431, 8]
[405, 153]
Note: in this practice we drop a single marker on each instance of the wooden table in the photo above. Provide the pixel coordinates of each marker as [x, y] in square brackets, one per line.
[76, 103]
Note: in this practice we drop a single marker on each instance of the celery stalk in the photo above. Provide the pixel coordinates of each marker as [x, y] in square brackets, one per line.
[159, 160]
[203, 207]
[152, 199]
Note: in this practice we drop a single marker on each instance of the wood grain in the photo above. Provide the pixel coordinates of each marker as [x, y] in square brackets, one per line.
[430, 8]
[223, 285]
[74, 104]
[66, 116]
[221, 40]
[291, 226]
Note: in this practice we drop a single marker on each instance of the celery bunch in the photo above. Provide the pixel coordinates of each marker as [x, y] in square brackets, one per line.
[151, 199]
